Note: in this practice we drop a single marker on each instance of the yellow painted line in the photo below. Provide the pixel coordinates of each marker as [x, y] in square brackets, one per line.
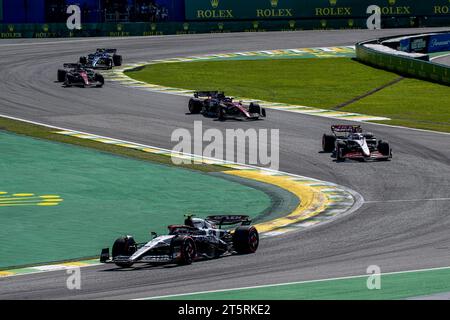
[108, 141]
[52, 200]
[29, 199]
[2, 199]
[5, 274]
[312, 201]
[29, 203]
[338, 49]
[3, 192]
[128, 145]
[83, 136]
[74, 264]
[24, 199]
[151, 150]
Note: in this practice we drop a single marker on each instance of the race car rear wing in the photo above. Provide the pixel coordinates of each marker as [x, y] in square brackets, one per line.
[71, 65]
[214, 94]
[226, 220]
[107, 50]
[346, 128]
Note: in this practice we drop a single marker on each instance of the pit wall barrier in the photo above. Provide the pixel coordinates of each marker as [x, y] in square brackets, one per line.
[56, 30]
[409, 66]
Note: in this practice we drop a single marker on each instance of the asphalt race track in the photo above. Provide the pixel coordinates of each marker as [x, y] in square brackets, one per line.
[443, 60]
[403, 225]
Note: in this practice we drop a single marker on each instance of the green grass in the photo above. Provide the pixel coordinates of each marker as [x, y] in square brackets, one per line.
[103, 197]
[284, 80]
[323, 83]
[410, 103]
[393, 286]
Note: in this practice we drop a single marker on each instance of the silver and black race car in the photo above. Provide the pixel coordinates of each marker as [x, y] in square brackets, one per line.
[194, 240]
[102, 59]
[75, 74]
[215, 104]
[350, 142]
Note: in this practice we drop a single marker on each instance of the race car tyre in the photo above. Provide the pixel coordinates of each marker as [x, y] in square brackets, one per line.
[195, 106]
[188, 251]
[124, 246]
[61, 75]
[99, 78]
[83, 60]
[263, 112]
[383, 148]
[328, 141]
[117, 59]
[254, 108]
[245, 239]
[340, 151]
[221, 115]
[67, 82]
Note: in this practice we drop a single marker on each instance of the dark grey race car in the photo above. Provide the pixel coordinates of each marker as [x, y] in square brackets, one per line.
[75, 74]
[215, 104]
[195, 239]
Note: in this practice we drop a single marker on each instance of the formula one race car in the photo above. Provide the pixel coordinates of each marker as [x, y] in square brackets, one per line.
[194, 240]
[215, 104]
[75, 74]
[350, 142]
[102, 59]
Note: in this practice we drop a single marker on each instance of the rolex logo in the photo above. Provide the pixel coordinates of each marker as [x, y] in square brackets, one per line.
[333, 2]
[119, 27]
[220, 25]
[215, 3]
[323, 23]
[392, 2]
[185, 26]
[292, 24]
[153, 26]
[255, 24]
[274, 3]
[45, 27]
[10, 27]
[351, 22]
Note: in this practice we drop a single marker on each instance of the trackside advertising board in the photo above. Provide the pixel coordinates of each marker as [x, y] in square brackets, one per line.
[320, 9]
[439, 43]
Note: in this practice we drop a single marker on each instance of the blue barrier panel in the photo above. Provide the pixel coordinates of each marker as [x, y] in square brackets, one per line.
[403, 65]
[439, 43]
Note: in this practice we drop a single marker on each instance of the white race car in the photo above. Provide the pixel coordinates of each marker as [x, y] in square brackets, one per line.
[350, 142]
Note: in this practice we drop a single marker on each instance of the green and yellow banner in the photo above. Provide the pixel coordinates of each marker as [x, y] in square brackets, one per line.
[297, 9]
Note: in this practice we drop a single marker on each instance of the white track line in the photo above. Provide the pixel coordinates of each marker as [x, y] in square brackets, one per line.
[441, 56]
[290, 283]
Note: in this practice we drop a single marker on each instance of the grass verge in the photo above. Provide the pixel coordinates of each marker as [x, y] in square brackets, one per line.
[47, 133]
[322, 83]
[393, 286]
